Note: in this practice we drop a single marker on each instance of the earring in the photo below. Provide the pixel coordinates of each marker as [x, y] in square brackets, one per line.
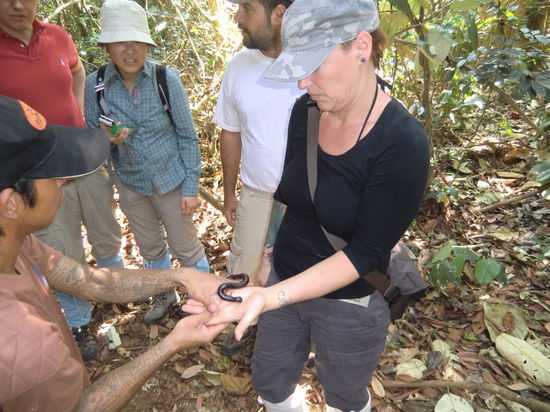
[362, 60]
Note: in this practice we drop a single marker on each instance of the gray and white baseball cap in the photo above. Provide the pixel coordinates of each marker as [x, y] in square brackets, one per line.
[312, 28]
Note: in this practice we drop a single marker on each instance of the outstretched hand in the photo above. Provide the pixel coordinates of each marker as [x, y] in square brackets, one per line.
[194, 306]
[203, 287]
[195, 330]
[245, 313]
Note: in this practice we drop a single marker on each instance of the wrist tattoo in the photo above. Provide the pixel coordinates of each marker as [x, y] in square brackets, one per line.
[283, 301]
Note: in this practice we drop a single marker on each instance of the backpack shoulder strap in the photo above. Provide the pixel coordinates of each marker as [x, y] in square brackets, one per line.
[100, 90]
[162, 89]
[313, 118]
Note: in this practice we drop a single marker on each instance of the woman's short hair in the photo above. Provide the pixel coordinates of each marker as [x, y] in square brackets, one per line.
[379, 41]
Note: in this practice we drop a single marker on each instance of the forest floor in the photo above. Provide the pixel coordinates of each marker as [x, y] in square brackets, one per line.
[446, 341]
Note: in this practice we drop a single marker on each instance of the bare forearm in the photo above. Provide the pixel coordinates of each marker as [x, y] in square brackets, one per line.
[327, 276]
[114, 390]
[231, 160]
[111, 285]
[79, 80]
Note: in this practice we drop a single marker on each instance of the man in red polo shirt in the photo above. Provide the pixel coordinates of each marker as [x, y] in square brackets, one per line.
[39, 65]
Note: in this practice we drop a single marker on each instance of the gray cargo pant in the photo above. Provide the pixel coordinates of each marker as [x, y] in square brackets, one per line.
[347, 339]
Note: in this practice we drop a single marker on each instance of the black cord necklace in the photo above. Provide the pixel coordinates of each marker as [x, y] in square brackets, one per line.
[369, 113]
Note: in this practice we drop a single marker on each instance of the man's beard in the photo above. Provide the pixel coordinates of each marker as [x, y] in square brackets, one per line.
[261, 41]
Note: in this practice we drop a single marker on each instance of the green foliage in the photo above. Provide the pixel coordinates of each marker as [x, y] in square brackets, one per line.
[514, 64]
[488, 270]
[544, 245]
[468, 47]
[510, 55]
[441, 192]
[470, 336]
[437, 45]
[543, 172]
[448, 264]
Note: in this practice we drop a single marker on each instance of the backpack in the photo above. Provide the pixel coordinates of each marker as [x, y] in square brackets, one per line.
[159, 77]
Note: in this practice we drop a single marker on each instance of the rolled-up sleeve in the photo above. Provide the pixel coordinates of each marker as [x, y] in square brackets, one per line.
[188, 141]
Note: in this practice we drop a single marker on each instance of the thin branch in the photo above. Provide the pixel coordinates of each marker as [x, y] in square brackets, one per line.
[532, 404]
[508, 100]
[190, 38]
[514, 199]
[210, 198]
[517, 109]
[59, 9]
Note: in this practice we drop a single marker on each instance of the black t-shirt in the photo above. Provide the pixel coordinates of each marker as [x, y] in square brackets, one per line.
[368, 196]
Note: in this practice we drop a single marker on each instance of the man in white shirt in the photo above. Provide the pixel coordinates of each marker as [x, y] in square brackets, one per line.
[253, 113]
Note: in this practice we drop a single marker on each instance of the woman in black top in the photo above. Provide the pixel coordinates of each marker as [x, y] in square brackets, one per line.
[372, 169]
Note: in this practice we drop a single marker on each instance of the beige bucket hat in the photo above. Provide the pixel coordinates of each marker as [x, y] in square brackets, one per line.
[123, 20]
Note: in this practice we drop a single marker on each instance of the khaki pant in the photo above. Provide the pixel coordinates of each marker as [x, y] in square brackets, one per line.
[88, 200]
[156, 220]
[253, 211]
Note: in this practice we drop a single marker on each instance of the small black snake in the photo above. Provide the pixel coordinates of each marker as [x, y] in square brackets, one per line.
[233, 285]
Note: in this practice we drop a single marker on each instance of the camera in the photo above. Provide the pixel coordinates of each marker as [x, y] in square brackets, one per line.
[107, 121]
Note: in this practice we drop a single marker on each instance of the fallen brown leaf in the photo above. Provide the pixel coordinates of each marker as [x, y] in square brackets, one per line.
[204, 354]
[377, 387]
[235, 385]
[191, 371]
[509, 322]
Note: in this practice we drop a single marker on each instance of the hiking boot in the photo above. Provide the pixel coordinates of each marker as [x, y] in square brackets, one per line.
[88, 346]
[160, 304]
[231, 346]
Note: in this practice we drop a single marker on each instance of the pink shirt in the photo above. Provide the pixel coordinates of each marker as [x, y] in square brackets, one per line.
[40, 366]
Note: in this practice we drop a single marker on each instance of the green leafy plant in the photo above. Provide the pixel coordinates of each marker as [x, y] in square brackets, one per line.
[542, 172]
[545, 248]
[448, 264]
[470, 336]
[509, 63]
[441, 192]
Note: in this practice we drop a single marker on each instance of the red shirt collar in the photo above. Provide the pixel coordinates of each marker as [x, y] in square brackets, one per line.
[38, 26]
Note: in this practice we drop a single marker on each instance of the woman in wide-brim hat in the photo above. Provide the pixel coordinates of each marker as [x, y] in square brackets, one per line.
[372, 167]
[155, 153]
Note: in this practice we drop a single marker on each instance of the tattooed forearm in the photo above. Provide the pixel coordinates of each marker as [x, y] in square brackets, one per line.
[125, 285]
[68, 276]
[114, 390]
[108, 285]
[283, 301]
